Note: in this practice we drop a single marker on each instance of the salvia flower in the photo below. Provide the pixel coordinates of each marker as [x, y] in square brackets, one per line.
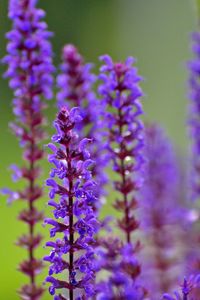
[74, 81]
[161, 212]
[120, 94]
[187, 290]
[194, 115]
[192, 241]
[194, 125]
[30, 68]
[75, 89]
[123, 268]
[73, 219]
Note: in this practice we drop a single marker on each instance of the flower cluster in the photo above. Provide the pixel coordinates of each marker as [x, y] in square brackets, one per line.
[160, 221]
[188, 290]
[124, 142]
[194, 116]
[75, 89]
[120, 94]
[120, 262]
[75, 82]
[74, 218]
[30, 68]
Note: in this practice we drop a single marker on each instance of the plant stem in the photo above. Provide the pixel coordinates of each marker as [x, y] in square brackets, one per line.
[71, 225]
[123, 175]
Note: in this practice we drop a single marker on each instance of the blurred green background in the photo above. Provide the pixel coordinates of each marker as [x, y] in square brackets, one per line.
[156, 32]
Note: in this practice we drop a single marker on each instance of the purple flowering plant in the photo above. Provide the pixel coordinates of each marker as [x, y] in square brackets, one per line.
[120, 95]
[101, 150]
[159, 221]
[74, 215]
[30, 68]
[75, 84]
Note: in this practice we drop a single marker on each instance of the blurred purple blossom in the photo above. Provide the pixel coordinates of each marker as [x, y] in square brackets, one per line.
[161, 213]
[123, 269]
[75, 88]
[194, 116]
[189, 290]
[30, 68]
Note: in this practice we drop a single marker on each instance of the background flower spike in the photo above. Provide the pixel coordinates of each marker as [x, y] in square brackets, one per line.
[75, 83]
[30, 68]
[120, 94]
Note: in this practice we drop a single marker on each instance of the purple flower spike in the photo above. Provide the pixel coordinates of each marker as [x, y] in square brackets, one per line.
[75, 80]
[120, 94]
[75, 83]
[74, 217]
[194, 113]
[161, 213]
[30, 68]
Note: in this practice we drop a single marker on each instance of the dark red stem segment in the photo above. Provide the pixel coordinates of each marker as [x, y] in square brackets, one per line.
[123, 176]
[31, 179]
[71, 225]
[31, 209]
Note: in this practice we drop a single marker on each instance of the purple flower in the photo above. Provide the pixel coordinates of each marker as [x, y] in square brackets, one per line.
[161, 212]
[75, 83]
[194, 112]
[120, 94]
[30, 68]
[17, 173]
[74, 217]
[12, 196]
[189, 290]
[123, 268]
[75, 80]
[158, 197]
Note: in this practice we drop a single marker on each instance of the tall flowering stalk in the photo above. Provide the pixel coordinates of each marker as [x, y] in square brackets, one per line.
[75, 89]
[74, 220]
[194, 115]
[160, 211]
[120, 95]
[194, 125]
[30, 67]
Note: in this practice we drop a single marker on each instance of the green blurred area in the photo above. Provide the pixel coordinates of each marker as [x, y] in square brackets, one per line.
[156, 32]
